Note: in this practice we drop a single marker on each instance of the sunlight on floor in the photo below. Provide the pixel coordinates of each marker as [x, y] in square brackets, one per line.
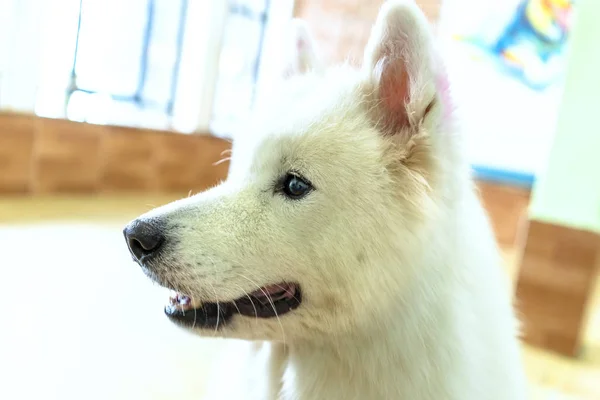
[81, 322]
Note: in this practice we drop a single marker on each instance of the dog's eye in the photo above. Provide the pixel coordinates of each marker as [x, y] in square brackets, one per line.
[295, 187]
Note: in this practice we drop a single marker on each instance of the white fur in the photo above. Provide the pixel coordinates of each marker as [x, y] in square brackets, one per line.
[404, 296]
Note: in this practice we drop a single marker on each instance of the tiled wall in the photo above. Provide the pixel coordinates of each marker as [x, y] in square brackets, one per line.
[40, 155]
[342, 27]
[558, 271]
[507, 207]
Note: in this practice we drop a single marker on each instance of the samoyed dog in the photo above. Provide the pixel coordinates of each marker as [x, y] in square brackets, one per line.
[347, 247]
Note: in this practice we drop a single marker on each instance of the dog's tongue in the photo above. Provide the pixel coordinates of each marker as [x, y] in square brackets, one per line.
[265, 295]
[274, 292]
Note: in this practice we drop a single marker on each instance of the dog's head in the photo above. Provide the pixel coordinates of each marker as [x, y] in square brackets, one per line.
[329, 194]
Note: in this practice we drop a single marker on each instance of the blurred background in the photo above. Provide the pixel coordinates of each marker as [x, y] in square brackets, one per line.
[109, 108]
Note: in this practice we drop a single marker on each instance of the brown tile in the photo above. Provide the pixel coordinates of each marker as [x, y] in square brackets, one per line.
[507, 209]
[179, 162]
[551, 312]
[66, 156]
[147, 160]
[558, 271]
[129, 159]
[17, 134]
[49, 156]
[66, 138]
[560, 277]
[562, 344]
[210, 170]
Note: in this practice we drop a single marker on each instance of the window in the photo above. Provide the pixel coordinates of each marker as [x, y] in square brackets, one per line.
[126, 61]
[164, 64]
[239, 64]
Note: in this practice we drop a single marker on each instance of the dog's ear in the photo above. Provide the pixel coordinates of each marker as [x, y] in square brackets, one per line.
[301, 50]
[399, 65]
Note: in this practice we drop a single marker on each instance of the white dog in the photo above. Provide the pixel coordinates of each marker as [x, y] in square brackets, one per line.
[348, 239]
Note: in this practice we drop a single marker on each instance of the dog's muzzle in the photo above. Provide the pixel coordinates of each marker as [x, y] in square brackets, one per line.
[146, 240]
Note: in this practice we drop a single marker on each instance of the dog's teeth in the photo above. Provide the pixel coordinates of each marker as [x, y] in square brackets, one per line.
[184, 301]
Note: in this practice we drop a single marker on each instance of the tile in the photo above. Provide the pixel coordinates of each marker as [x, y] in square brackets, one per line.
[66, 156]
[17, 135]
[507, 208]
[187, 162]
[129, 158]
[558, 271]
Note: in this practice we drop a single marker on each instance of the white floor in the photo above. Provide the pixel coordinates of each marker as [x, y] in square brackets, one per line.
[79, 321]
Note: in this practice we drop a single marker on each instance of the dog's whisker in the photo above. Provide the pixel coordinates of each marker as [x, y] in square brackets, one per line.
[221, 161]
[234, 303]
[216, 299]
[218, 317]
[251, 302]
[271, 302]
[286, 290]
[195, 314]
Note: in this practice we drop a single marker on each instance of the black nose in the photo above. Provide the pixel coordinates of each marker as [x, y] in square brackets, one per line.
[144, 238]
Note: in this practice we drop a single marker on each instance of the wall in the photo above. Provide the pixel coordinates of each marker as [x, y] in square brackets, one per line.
[50, 156]
[568, 192]
[469, 17]
[342, 27]
[42, 155]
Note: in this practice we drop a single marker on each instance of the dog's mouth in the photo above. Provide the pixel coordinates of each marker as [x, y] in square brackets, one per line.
[267, 302]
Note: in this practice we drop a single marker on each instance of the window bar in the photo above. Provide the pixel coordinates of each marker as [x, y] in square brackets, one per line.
[244, 11]
[72, 87]
[177, 63]
[261, 18]
[137, 97]
[263, 21]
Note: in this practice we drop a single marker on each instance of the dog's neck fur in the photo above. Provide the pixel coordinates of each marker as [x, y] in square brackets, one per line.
[370, 363]
[335, 368]
[426, 346]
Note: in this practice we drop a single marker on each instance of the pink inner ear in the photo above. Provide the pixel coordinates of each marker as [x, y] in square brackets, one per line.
[394, 92]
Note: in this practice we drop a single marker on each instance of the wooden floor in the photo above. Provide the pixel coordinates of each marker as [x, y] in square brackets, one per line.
[79, 321]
